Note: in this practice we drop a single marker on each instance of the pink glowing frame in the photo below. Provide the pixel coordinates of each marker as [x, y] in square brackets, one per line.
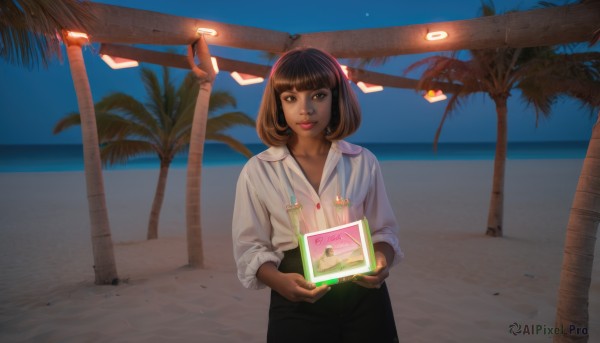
[352, 246]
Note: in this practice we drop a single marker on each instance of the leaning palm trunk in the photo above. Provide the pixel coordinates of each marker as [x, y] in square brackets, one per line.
[496, 210]
[194, 177]
[159, 197]
[578, 256]
[205, 75]
[105, 269]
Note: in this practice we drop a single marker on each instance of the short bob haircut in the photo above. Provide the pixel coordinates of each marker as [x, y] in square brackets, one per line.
[307, 69]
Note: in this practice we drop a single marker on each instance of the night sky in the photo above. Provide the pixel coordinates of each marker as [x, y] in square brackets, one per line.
[32, 101]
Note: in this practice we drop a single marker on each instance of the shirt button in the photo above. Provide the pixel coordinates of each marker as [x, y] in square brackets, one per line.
[318, 206]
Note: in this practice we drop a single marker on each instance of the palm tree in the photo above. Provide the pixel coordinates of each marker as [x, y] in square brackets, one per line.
[30, 30]
[30, 34]
[541, 74]
[105, 269]
[578, 256]
[129, 128]
[580, 242]
[205, 76]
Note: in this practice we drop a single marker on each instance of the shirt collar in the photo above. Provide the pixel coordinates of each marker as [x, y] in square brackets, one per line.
[278, 153]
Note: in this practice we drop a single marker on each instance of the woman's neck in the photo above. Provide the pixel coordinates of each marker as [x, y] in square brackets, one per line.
[308, 147]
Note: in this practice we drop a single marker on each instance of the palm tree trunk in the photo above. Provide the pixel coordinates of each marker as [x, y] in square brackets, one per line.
[159, 196]
[496, 210]
[194, 177]
[105, 269]
[206, 76]
[578, 256]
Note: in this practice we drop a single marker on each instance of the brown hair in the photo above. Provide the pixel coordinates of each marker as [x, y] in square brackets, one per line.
[307, 69]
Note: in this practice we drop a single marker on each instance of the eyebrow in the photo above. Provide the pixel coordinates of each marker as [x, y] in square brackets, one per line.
[309, 90]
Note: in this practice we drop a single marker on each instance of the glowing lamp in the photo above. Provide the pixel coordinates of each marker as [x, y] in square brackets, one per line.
[119, 62]
[345, 70]
[435, 96]
[206, 31]
[246, 79]
[369, 88]
[74, 34]
[436, 35]
[215, 64]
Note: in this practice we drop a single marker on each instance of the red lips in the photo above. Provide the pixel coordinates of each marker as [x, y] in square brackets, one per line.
[307, 125]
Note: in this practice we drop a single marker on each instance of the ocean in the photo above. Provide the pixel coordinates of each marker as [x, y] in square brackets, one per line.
[46, 158]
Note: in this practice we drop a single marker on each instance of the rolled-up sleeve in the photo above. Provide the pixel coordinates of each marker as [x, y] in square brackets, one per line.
[377, 208]
[251, 232]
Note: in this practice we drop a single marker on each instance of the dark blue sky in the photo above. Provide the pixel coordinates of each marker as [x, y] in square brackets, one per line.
[32, 101]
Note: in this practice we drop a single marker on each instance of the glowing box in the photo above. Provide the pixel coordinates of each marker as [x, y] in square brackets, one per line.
[337, 254]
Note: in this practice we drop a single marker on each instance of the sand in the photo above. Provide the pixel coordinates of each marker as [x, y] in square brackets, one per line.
[455, 284]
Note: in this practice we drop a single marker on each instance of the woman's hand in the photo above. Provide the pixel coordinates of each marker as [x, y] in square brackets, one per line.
[383, 253]
[291, 286]
[294, 287]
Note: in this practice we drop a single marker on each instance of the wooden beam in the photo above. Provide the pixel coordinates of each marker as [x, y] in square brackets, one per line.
[180, 61]
[393, 81]
[541, 27]
[117, 24]
[549, 26]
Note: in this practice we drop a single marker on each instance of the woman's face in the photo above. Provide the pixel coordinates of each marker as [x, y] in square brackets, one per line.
[307, 113]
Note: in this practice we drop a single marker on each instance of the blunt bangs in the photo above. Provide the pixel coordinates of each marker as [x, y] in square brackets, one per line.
[304, 70]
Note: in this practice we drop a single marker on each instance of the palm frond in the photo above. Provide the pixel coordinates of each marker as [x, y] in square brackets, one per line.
[30, 29]
[455, 102]
[449, 70]
[169, 100]
[127, 128]
[129, 107]
[220, 100]
[118, 152]
[153, 88]
[227, 120]
[66, 122]
[232, 142]
[575, 75]
[488, 8]
[112, 127]
[189, 86]
[183, 123]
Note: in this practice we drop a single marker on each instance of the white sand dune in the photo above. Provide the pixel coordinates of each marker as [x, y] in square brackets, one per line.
[455, 284]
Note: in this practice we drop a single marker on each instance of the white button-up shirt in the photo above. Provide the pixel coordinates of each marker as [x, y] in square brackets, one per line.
[261, 226]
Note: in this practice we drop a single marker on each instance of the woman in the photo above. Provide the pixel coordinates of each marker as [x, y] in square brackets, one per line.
[307, 109]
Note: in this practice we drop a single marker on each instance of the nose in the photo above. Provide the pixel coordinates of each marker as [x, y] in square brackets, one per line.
[307, 108]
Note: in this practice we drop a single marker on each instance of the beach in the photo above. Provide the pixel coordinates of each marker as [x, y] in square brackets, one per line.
[454, 285]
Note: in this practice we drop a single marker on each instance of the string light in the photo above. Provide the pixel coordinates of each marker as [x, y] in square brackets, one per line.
[368, 87]
[435, 96]
[215, 64]
[246, 79]
[73, 34]
[436, 35]
[206, 31]
[119, 62]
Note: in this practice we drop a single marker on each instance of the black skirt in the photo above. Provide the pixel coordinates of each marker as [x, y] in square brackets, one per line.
[347, 313]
